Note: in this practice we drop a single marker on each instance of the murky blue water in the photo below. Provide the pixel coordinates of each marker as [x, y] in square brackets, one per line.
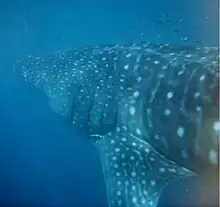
[42, 160]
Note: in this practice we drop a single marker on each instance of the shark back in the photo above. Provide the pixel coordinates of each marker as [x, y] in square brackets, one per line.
[151, 110]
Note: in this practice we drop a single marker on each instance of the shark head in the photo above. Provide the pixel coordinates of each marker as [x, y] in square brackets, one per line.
[151, 111]
[52, 76]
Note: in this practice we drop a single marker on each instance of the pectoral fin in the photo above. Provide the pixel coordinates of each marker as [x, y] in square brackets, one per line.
[135, 173]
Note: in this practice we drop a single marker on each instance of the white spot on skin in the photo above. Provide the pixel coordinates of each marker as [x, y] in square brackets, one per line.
[118, 129]
[117, 150]
[197, 94]
[133, 187]
[156, 136]
[118, 174]
[180, 72]
[167, 112]
[170, 95]
[138, 131]
[118, 193]
[143, 201]
[139, 79]
[161, 75]
[216, 126]
[132, 110]
[126, 183]
[112, 141]
[152, 182]
[119, 182]
[172, 170]
[164, 67]
[147, 150]
[156, 62]
[162, 170]
[134, 144]
[133, 174]
[188, 55]
[180, 131]
[202, 78]
[132, 158]
[134, 199]
[124, 139]
[126, 67]
[152, 159]
[145, 192]
[114, 158]
[213, 157]
[143, 173]
[136, 94]
[198, 108]
[115, 166]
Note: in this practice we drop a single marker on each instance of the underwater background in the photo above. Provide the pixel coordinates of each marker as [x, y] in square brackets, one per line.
[43, 162]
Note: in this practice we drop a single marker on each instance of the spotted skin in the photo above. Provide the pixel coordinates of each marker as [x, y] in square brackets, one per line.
[144, 106]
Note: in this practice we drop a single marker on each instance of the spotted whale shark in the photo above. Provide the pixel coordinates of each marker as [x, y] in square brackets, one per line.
[151, 110]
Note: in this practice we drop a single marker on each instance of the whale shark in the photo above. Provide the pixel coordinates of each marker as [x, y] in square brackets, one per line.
[151, 110]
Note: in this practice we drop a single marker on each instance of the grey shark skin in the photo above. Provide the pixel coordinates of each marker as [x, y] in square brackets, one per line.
[151, 110]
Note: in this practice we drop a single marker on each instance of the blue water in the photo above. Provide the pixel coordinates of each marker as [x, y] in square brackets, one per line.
[42, 160]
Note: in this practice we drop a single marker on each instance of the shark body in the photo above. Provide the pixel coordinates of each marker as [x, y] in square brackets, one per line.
[151, 110]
